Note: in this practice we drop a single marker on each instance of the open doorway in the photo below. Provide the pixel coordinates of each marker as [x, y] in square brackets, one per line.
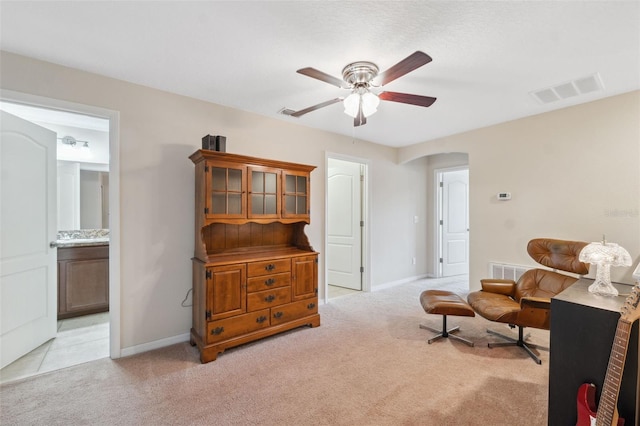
[86, 316]
[453, 221]
[346, 222]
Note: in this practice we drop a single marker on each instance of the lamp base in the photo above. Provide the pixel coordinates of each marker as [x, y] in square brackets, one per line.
[602, 288]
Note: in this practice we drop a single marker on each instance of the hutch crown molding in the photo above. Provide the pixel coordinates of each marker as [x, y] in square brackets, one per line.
[254, 272]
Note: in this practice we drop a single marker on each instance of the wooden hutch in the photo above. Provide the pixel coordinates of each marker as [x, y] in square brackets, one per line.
[254, 272]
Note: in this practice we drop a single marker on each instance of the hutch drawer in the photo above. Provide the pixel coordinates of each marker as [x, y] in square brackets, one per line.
[295, 310]
[268, 281]
[236, 326]
[268, 298]
[255, 269]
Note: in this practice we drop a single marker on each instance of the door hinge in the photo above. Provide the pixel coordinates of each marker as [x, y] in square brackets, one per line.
[362, 224]
[206, 210]
[441, 222]
[207, 315]
[316, 260]
[208, 275]
[316, 291]
[441, 184]
[440, 260]
[362, 269]
[206, 169]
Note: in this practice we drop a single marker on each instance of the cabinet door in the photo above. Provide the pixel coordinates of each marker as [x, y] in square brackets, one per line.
[226, 291]
[264, 192]
[226, 187]
[83, 287]
[295, 194]
[304, 277]
[83, 280]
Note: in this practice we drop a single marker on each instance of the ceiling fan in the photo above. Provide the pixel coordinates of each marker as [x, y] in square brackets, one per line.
[359, 78]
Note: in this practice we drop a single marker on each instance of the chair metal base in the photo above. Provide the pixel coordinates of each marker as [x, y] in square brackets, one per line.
[446, 333]
[520, 341]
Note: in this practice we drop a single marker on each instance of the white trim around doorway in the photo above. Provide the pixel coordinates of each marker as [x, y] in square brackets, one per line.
[114, 195]
[437, 229]
[366, 235]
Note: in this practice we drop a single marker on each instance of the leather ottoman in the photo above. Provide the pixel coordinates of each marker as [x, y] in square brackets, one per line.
[442, 302]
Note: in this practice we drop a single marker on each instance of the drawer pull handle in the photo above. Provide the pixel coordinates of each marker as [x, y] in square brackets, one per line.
[269, 298]
[278, 315]
[217, 330]
[261, 319]
[311, 305]
[270, 281]
[270, 267]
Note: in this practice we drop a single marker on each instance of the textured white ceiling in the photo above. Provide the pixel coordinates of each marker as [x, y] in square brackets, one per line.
[487, 56]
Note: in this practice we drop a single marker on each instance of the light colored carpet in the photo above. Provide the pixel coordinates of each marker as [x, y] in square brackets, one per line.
[367, 364]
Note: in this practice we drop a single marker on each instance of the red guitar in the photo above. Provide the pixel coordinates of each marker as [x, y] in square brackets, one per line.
[607, 414]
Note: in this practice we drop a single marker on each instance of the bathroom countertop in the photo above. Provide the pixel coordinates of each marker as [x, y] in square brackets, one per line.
[82, 242]
[82, 238]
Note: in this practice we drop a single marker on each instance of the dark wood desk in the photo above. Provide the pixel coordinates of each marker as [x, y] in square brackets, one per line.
[583, 326]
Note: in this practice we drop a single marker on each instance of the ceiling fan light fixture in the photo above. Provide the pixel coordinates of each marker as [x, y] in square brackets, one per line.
[370, 104]
[369, 101]
[351, 104]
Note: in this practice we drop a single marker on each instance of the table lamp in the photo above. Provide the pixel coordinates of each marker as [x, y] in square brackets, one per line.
[604, 255]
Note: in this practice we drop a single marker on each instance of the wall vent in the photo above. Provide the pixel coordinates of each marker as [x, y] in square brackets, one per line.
[505, 271]
[569, 89]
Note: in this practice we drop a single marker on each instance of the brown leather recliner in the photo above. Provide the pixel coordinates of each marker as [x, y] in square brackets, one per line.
[527, 303]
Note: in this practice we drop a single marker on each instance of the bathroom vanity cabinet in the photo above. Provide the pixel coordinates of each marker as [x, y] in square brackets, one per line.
[83, 280]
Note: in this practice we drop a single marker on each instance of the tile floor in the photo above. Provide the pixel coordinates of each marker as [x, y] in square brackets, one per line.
[335, 291]
[79, 340]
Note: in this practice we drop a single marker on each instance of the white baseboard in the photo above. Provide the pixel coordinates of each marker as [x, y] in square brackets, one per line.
[399, 282]
[156, 344]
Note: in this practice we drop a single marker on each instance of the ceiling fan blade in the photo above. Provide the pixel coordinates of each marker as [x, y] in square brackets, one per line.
[405, 98]
[405, 66]
[319, 75]
[360, 119]
[314, 107]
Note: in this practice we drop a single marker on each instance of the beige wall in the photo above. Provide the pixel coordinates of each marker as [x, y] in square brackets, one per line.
[158, 131]
[573, 174]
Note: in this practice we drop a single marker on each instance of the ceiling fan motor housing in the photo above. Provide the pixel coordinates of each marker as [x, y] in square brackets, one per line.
[358, 73]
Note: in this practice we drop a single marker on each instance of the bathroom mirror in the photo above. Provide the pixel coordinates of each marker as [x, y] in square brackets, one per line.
[83, 197]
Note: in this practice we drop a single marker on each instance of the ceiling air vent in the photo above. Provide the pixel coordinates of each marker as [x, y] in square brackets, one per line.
[569, 89]
[286, 111]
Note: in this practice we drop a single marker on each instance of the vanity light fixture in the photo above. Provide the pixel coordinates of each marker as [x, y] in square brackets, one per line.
[73, 142]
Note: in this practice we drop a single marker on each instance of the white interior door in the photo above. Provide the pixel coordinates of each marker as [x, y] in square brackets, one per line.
[28, 270]
[344, 231]
[455, 223]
